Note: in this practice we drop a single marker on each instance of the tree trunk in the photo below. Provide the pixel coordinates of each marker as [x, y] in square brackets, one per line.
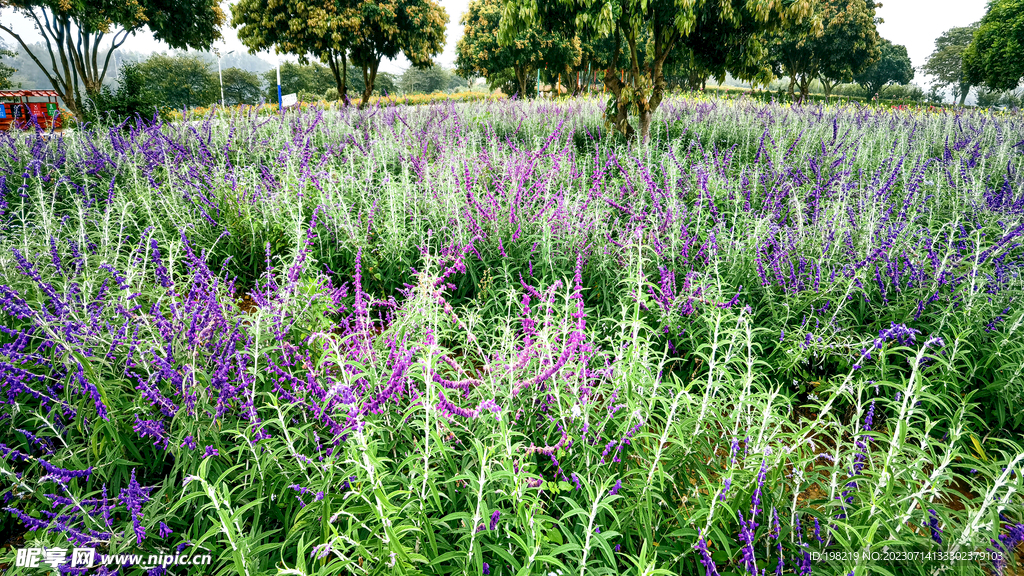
[369, 76]
[828, 86]
[792, 88]
[645, 125]
[521, 79]
[621, 121]
[645, 103]
[964, 91]
[340, 73]
[805, 86]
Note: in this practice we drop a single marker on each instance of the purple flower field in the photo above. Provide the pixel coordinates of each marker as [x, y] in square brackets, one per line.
[492, 338]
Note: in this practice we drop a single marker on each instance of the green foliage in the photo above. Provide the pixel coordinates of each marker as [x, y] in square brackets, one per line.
[130, 101]
[1006, 98]
[840, 41]
[310, 78]
[649, 34]
[75, 35]
[994, 56]
[387, 28]
[946, 62]
[6, 71]
[242, 87]
[385, 83]
[730, 38]
[892, 67]
[181, 80]
[427, 80]
[514, 60]
[361, 31]
[321, 29]
[729, 281]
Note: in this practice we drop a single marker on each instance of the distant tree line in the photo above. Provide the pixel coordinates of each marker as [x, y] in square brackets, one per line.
[635, 50]
[146, 84]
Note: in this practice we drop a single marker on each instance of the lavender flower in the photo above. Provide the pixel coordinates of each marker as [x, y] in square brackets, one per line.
[705, 557]
[133, 497]
[933, 525]
[615, 489]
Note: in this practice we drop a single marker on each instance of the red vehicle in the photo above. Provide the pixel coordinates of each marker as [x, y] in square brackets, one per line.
[23, 109]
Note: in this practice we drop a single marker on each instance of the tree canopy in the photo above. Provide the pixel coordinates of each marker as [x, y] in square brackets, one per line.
[995, 57]
[74, 33]
[646, 33]
[893, 67]
[427, 80]
[132, 99]
[310, 78]
[387, 28]
[241, 87]
[181, 80]
[722, 41]
[839, 42]
[321, 29]
[946, 63]
[337, 31]
[479, 53]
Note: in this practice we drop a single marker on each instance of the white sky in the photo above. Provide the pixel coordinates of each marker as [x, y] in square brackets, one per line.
[913, 23]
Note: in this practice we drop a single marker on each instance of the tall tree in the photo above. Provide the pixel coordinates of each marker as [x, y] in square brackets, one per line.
[310, 78]
[321, 29]
[180, 80]
[839, 42]
[241, 87]
[479, 53]
[74, 33]
[845, 44]
[666, 23]
[428, 80]
[893, 67]
[946, 63]
[387, 28]
[995, 57]
[6, 71]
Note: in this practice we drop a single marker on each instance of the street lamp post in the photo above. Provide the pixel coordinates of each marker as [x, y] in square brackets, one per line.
[221, 75]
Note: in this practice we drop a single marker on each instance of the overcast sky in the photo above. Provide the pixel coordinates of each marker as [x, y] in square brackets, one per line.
[913, 23]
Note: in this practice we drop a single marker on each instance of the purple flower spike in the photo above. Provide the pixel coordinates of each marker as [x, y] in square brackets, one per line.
[705, 558]
[933, 525]
[615, 489]
[133, 498]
